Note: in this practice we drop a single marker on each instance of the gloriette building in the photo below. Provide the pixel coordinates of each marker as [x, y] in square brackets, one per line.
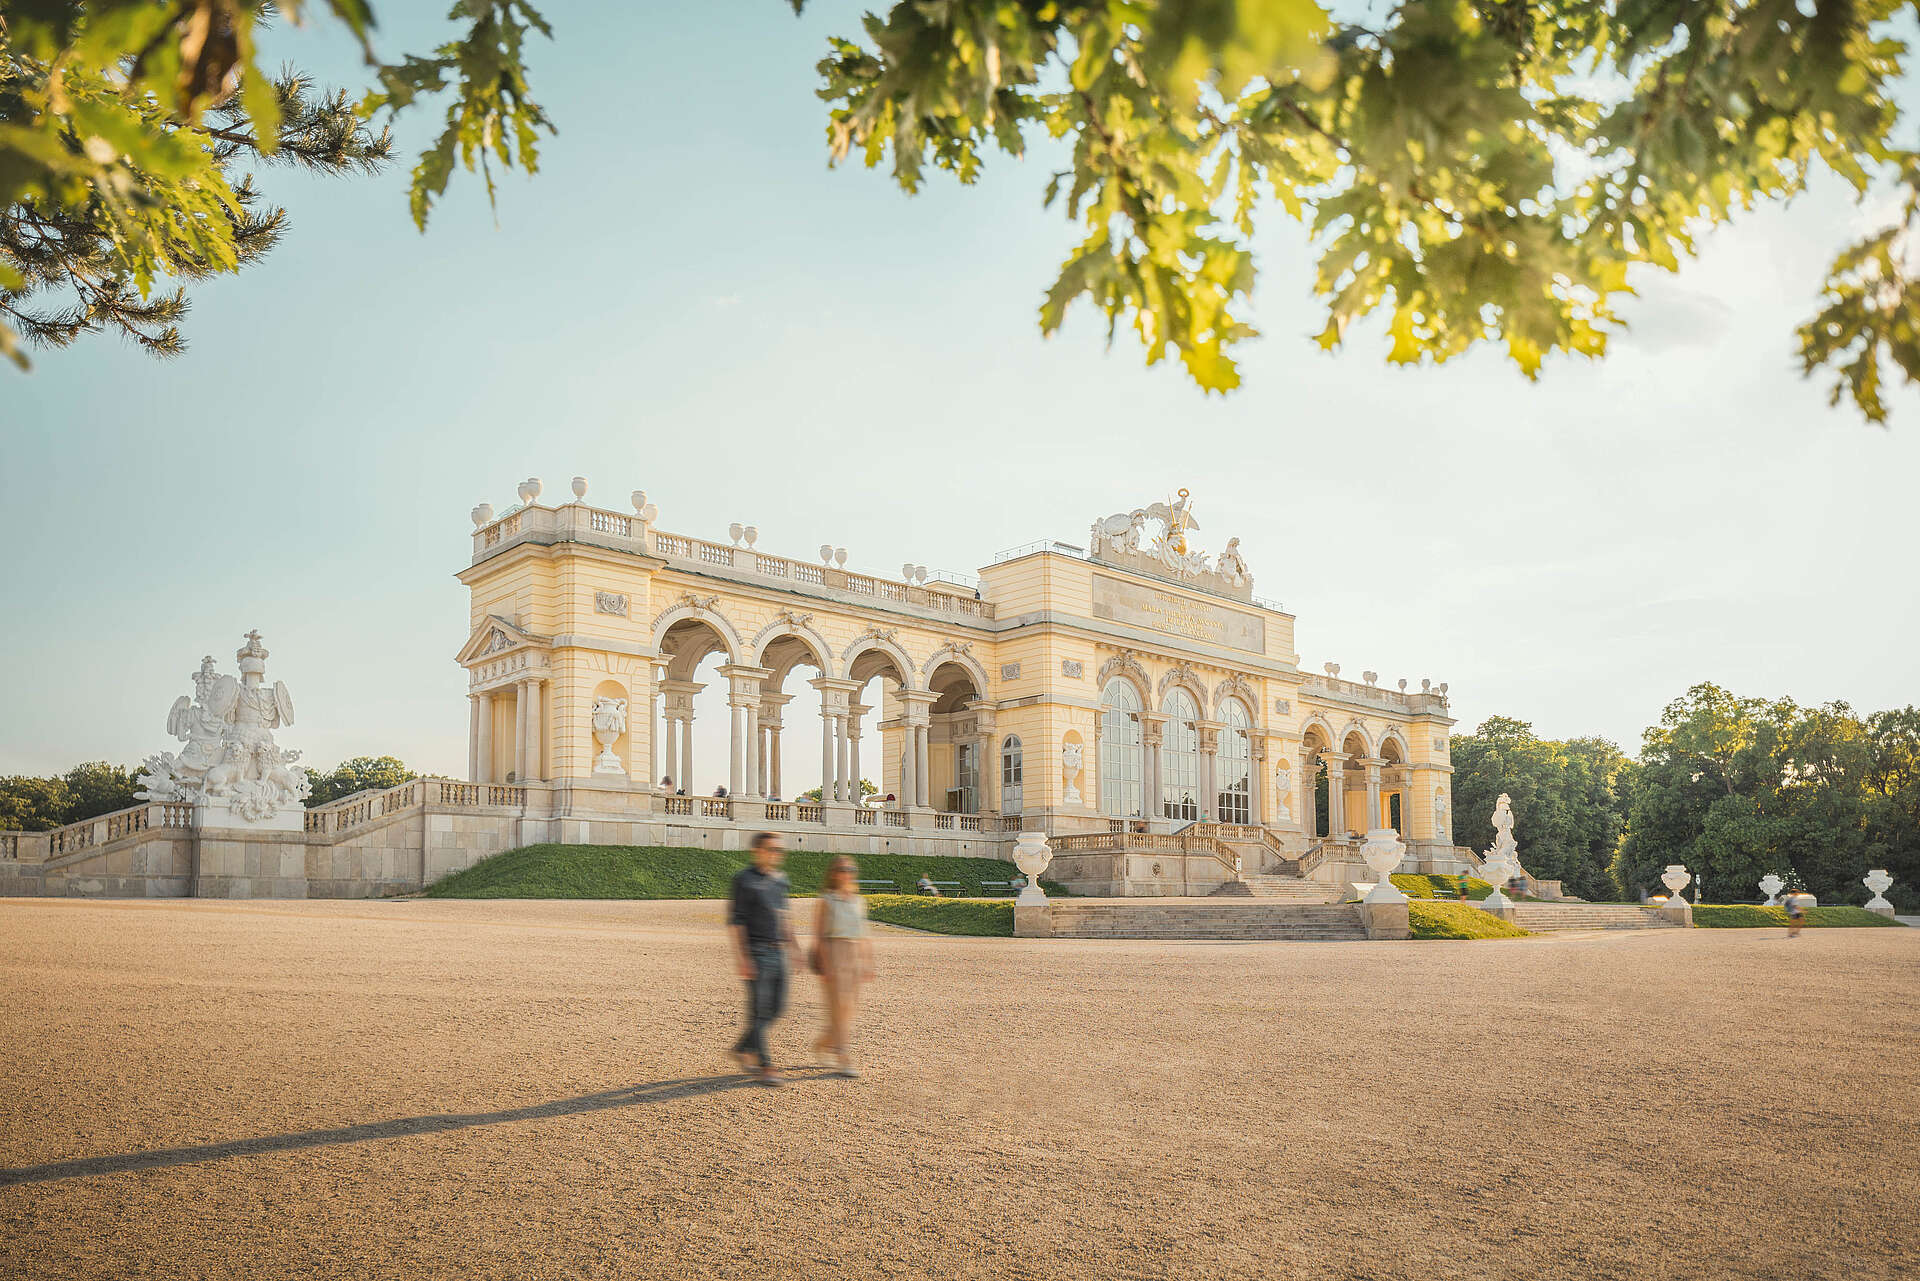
[1131, 696]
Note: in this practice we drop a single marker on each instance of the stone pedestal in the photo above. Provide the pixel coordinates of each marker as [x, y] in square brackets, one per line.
[1033, 921]
[1503, 909]
[220, 814]
[1679, 911]
[1386, 920]
[1888, 911]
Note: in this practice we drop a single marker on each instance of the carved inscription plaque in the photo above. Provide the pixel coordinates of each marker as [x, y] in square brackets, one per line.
[1148, 607]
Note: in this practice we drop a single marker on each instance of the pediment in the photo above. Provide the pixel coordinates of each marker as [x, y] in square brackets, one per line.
[497, 635]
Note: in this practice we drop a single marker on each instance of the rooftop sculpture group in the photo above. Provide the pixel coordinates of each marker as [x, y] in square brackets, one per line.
[230, 756]
[1126, 537]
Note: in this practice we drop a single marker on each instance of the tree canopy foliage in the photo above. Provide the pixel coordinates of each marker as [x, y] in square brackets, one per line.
[359, 774]
[88, 790]
[1732, 787]
[1471, 171]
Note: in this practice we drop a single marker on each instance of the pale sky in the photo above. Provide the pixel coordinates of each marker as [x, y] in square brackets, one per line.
[687, 301]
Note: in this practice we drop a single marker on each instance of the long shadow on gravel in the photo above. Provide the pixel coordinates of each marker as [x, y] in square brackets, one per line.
[399, 1128]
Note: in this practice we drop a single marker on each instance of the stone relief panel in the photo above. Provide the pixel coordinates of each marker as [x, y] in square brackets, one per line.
[1009, 671]
[610, 603]
[1071, 668]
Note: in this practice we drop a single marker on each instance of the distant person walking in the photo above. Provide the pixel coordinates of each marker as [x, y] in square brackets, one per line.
[842, 957]
[761, 934]
[1464, 885]
[1796, 913]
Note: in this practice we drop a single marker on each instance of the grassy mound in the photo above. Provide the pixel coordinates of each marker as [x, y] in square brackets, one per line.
[1416, 886]
[1443, 920]
[1743, 916]
[652, 871]
[983, 917]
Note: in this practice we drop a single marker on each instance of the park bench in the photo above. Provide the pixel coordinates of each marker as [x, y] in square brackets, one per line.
[877, 887]
[949, 888]
[994, 887]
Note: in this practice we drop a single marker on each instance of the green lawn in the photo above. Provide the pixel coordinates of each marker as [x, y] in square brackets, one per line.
[1416, 886]
[1744, 916]
[986, 917]
[1443, 920]
[648, 871]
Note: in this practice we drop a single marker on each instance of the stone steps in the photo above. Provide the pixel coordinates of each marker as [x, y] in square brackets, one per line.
[1245, 919]
[1285, 889]
[1588, 916]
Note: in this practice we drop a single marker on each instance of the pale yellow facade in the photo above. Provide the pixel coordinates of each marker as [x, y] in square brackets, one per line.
[1148, 698]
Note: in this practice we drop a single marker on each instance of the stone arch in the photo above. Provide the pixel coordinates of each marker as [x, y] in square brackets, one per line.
[1127, 668]
[873, 640]
[691, 608]
[1184, 677]
[1236, 686]
[961, 655]
[1393, 736]
[1327, 737]
[1356, 728]
[786, 625]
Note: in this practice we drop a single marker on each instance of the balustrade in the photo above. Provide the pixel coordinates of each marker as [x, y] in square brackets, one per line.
[716, 807]
[678, 805]
[863, 818]
[812, 813]
[896, 818]
[9, 847]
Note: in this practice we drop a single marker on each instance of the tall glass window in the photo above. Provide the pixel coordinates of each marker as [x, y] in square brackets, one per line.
[1180, 758]
[1012, 785]
[1120, 749]
[966, 776]
[1233, 766]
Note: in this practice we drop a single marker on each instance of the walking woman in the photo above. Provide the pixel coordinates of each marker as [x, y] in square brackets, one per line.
[842, 957]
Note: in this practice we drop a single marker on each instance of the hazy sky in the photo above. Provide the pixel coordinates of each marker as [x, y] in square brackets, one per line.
[687, 300]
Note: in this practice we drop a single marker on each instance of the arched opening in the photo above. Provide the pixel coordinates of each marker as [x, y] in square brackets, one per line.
[1395, 780]
[956, 749]
[1119, 749]
[784, 763]
[696, 729]
[1314, 802]
[1180, 757]
[1233, 764]
[893, 773]
[1012, 776]
[1354, 815]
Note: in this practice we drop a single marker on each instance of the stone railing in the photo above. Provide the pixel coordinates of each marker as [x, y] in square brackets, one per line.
[91, 833]
[1372, 695]
[811, 813]
[578, 522]
[350, 813]
[865, 817]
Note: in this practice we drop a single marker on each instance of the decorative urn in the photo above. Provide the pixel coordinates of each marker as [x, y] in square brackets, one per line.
[1675, 878]
[1032, 854]
[482, 514]
[579, 489]
[1771, 885]
[1879, 881]
[1383, 851]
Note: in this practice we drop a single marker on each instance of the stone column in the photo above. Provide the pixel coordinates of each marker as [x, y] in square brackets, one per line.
[520, 732]
[1336, 795]
[773, 761]
[1256, 766]
[1373, 764]
[1209, 771]
[743, 697]
[855, 712]
[752, 713]
[653, 726]
[827, 758]
[473, 737]
[536, 723]
[1152, 731]
[737, 760]
[484, 742]
[908, 770]
[845, 787]
[922, 760]
[686, 756]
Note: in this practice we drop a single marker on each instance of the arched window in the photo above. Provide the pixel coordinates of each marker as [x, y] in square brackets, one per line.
[1180, 758]
[1233, 766]
[1120, 749]
[1011, 783]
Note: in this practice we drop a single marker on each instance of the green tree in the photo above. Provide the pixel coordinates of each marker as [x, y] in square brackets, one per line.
[29, 804]
[360, 774]
[96, 788]
[1472, 171]
[813, 794]
[1566, 812]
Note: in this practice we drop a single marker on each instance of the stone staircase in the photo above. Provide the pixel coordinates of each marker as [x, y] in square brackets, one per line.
[1588, 916]
[1196, 919]
[1275, 887]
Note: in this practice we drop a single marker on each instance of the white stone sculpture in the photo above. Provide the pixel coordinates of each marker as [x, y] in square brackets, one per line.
[529, 489]
[1771, 885]
[1232, 566]
[1501, 863]
[1071, 757]
[734, 531]
[645, 510]
[579, 489]
[1879, 880]
[1031, 854]
[1283, 792]
[1440, 812]
[1383, 851]
[609, 723]
[482, 514]
[230, 761]
[1675, 878]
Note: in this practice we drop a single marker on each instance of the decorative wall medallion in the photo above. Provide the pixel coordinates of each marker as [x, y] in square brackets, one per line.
[1282, 706]
[1182, 673]
[498, 641]
[1009, 671]
[1125, 662]
[610, 603]
[1439, 744]
[687, 600]
[791, 619]
[1071, 669]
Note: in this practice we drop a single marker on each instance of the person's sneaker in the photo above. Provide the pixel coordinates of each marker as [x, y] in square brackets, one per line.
[740, 1058]
[850, 1072]
[769, 1077]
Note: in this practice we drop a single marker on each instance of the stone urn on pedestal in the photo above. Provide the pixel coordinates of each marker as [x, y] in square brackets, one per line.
[1771, 885]
[1032, 854]
[609, 723]
[1879, 881]
[1675, 878]
[1383, 851]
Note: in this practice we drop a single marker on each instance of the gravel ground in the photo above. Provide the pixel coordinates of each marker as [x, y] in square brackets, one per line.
[526, 1090]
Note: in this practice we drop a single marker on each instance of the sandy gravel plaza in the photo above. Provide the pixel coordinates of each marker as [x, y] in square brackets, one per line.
[427, 1089]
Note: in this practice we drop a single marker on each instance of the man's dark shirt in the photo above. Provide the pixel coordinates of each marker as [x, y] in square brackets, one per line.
[758, 901]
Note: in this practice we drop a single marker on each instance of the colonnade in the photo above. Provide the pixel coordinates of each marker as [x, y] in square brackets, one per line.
[1207, 787]
[529, 763]
[1374, 781]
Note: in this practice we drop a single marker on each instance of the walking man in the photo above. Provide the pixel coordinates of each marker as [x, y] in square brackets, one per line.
[761, 936]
